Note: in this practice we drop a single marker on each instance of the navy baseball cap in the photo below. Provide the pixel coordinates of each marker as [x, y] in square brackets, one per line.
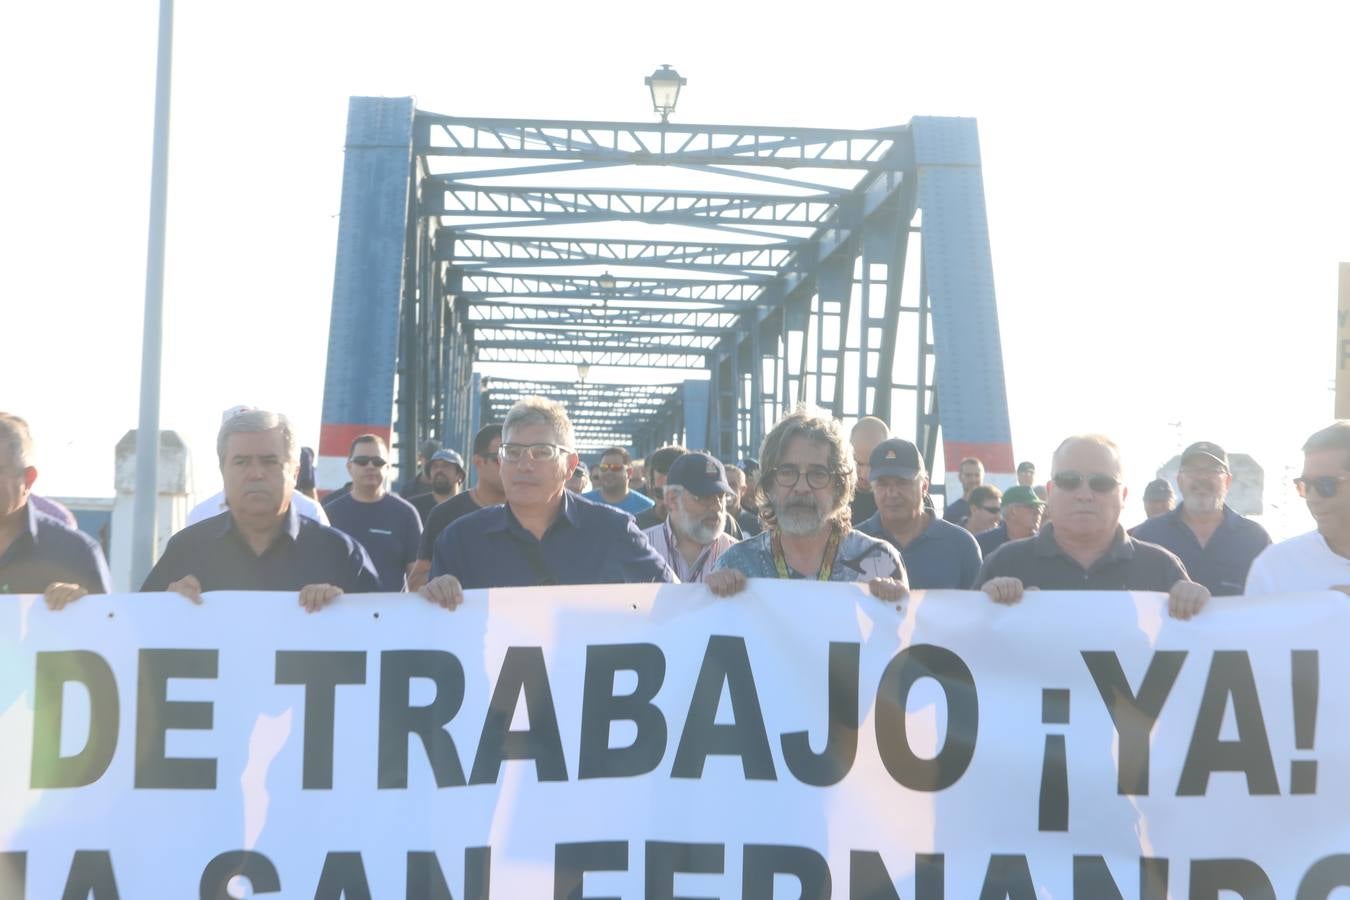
[896, 458]
[700, 474]
[1206, 450]
[449, 456]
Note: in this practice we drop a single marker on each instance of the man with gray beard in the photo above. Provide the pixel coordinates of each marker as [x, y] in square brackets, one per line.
[803, 497]
[1216, 544]
[691, 538]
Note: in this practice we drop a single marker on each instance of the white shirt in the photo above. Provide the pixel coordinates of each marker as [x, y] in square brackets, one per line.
[214, 506]
[1303, 563]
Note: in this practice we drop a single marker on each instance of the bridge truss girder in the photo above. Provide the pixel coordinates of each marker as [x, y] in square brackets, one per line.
[796, 283]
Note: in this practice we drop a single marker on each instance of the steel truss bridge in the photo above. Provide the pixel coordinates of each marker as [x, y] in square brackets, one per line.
[730, 272]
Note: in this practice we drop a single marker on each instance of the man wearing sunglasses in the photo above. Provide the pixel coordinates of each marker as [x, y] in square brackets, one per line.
[1319, 559]
[388, 526]
[543, 534]
[1216, 544]
[611, 479]
[1084, 548]
[803, 496]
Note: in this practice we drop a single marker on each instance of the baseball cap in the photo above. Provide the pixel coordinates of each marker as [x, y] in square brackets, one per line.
[1205, 449]
[449, 456]
[1158, 489]
[895, 457]
[700, 474]
[1021, 495]
[235, 411]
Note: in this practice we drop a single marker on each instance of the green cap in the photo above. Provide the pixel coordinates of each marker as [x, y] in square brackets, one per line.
[1021, 495]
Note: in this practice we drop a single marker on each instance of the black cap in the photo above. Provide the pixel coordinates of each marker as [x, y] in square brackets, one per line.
[1207, 450]
[895, 457]
[700, 474]
[1158, 489]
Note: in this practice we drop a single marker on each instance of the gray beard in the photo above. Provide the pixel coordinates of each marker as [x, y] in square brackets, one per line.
[799, 521]
[1204, 503]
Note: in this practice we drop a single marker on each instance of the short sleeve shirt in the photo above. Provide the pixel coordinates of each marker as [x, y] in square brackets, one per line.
[1303, 563]
[1221, 564]
[389, 529]
[441, 516]
[632, 503]
[303, 552]
[1127, 565]
[46, 551]
[860, 557]
[589, 543]
[943, 556]
[957, 511]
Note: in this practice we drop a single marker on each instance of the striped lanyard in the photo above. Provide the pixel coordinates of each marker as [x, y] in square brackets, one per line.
[826, 562]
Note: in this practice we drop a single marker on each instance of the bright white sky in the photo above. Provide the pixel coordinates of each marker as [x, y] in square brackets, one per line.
[1167, 185]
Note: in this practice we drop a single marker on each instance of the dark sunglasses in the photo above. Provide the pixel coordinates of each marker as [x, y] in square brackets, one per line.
[1072, 481]
[375, 461]
[992, 510]
[1326, 486]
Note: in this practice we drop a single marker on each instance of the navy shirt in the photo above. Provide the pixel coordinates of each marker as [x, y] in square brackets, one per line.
[46, 551]
[442, 516]
[424, 504]
[589, 543]
[943, 556]
[1221, 565]
[390, 530]
[991, 539]
[303, 552]
[1127, 565]
[957, 511]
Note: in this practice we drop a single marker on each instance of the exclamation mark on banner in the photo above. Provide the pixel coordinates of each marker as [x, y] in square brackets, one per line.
[1054, 811]
[1303, 772]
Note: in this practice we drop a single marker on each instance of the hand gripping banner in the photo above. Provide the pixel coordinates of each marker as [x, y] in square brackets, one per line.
[799, 740]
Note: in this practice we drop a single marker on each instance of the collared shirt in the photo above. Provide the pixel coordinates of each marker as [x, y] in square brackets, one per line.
[589, 543]
[46, 551]
[860, 557]
[1221, 565]
[215, 505]
[1303, 563]
[1127, 565]
[942, 556]
[663, 540]
[957, 511]
[442, 515]
[390, 530]
[632, 502]
[303, 552]
[991, 539]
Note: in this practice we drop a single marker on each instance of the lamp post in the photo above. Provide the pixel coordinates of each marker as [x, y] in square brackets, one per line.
[583, 369]
[665, 84]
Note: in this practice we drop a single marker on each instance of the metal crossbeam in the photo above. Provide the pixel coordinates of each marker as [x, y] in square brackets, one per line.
[468, 249]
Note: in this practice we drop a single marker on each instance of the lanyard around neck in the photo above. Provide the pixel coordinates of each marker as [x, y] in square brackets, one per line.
[826, 562]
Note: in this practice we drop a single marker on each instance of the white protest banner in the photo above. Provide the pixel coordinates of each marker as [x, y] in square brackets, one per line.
[799, 740]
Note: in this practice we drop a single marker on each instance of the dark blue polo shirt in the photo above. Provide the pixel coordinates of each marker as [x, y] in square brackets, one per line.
[46, 551]
[589, 543]
[992, 539]
[390, 530]
[1222, 564]
[1127, 565]
[957, 511]
[304, 552]
[943, 556]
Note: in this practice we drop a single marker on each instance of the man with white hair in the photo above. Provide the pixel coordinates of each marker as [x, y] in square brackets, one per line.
[803, 498]
[543, 534]
[1084, 548]
[261, 543]
[692, 537]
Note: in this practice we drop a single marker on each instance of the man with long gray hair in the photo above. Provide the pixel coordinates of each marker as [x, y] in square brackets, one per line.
[260, 543]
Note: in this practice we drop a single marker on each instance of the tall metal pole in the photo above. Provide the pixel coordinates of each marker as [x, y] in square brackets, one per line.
[147, 432]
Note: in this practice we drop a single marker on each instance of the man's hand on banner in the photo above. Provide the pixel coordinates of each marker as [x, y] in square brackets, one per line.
[314, 597]
[1186, 599]
[189, 587]
[725, 582]
[890, 590]
[59, 593]
[1005, 589]
[444, 591]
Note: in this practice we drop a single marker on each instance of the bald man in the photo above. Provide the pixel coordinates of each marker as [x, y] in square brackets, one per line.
[865, 436]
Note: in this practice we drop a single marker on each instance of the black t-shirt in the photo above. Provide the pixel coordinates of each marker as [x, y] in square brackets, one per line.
[424, 504]
[1128, 565]
[439, 517]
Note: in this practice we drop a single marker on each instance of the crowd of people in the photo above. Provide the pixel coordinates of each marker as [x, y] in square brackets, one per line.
[815, 504]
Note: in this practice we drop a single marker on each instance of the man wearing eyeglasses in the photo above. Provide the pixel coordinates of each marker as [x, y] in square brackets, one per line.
[937, 554]
[543, 534]
[803, 496]
[1319, 559]
[1216, 544]
[1084, 548]
[384, 523]
[692, 538]
[611, 478]
[261, 543]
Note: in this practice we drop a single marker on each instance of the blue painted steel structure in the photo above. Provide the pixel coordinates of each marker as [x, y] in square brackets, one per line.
[846, 268]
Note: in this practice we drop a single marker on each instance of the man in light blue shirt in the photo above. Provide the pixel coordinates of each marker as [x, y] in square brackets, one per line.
[612, 477]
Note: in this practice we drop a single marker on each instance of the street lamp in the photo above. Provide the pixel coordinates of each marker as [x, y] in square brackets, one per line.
[607, 282]
[583, 369]
[665, 84]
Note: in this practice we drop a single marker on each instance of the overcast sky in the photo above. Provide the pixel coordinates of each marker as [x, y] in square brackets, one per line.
[1167, 188]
